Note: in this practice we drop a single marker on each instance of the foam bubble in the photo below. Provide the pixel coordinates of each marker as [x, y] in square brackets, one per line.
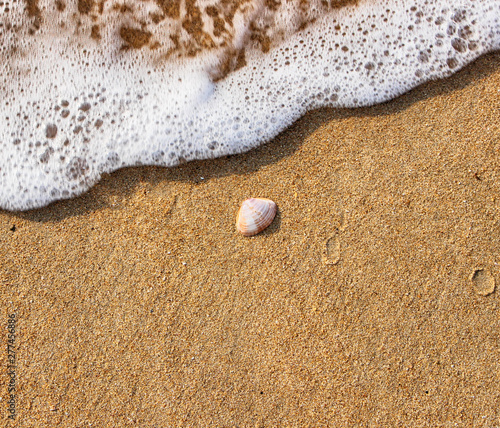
[87, 87]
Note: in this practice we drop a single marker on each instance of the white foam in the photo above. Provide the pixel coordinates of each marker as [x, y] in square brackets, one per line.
[72, 109]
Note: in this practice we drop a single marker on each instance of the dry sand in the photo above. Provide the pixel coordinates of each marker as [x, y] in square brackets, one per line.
[139, 305]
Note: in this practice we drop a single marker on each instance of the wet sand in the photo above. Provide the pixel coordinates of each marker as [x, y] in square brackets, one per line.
[372, 300]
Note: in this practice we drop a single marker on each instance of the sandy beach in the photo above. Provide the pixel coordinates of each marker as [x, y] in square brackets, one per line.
[372, 299]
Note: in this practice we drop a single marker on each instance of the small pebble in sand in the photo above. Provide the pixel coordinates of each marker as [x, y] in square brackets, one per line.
[483, 281]
[255, 215]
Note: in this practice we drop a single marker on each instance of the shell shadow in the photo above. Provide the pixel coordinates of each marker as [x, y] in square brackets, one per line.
[275, 226]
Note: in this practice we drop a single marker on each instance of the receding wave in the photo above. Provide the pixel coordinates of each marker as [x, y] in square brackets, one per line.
[90, 86]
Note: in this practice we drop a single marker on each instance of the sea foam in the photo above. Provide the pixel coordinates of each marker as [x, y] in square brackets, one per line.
[89, 87]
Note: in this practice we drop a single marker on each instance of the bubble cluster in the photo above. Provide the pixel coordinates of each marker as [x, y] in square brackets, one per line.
[89, 87]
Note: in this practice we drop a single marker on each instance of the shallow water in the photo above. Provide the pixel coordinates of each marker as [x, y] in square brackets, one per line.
[88, 88]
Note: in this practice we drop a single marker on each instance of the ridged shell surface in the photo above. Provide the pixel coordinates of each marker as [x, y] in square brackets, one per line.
[255, 215]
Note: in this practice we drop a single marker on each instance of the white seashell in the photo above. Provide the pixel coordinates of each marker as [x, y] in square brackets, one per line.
[255, 215]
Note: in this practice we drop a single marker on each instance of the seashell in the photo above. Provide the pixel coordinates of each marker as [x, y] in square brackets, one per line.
[255, 215]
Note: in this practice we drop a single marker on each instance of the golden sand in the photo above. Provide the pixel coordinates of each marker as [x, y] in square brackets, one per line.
[365, 303]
